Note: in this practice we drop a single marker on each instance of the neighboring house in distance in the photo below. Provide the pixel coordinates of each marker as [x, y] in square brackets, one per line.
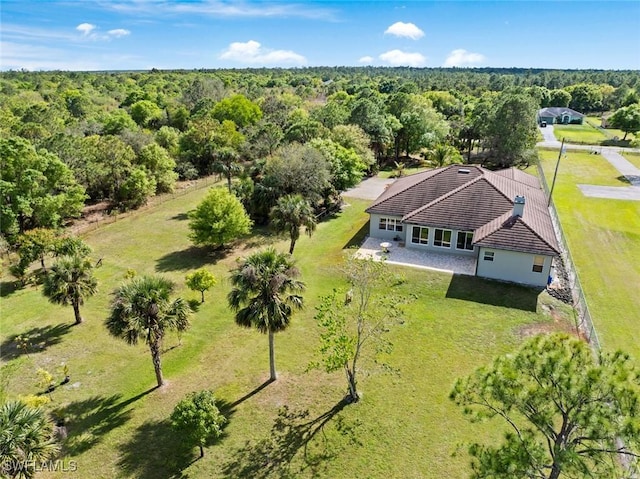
[560, 115]
[500, 218]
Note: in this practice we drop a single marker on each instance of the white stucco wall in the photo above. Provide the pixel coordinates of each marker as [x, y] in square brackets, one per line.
[513, 266]
[376, 232]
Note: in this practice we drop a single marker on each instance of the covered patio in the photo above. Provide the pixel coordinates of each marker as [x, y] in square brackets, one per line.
[415, 258]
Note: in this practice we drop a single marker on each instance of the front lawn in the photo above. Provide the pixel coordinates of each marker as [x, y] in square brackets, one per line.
[404, 426]
[581, 134]
[604, 239]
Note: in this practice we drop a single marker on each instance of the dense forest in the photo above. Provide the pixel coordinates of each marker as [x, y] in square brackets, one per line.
[69, 139]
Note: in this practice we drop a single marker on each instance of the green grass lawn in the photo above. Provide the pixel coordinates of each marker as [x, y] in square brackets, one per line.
[633, 157]
[584, 134]
[404, 426]
[604, 239]
[610, 132]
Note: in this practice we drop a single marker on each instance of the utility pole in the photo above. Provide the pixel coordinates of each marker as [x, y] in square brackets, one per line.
[555, 173]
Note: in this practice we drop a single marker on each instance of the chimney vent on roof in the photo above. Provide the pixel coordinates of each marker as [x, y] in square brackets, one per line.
[518, 206]
[464, 171]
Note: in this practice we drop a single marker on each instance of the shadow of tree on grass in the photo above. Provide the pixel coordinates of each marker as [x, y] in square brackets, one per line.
[292, 433]
[495, 293]
[191, 258]
[155, 451]
[9, 287]
[88, 421]
[357, 239]
[33, 341]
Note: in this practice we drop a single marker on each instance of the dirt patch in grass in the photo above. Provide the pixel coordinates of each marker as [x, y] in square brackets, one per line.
[557, 323]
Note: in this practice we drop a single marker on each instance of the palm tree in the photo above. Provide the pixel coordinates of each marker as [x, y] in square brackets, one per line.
[264, 295]
[27, 438]
[226, 163]
[290, 214]
[142, 309]
[70, 281]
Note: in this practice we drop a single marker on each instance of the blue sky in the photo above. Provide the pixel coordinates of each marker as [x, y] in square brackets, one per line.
[165, 34]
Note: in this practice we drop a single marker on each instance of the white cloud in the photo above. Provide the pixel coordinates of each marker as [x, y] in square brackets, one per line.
[254, 53]
[400, 58]
[365, 59]
[408, 30]
[461, 57]
[85, 28]
[119, 32]
[220, 8]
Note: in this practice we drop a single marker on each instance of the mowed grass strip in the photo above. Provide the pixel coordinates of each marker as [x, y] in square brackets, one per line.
[604, 239]
[585, 134]
[404, 426]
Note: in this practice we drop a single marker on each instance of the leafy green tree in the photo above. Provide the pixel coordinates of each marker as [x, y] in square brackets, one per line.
[585, 97]
[71, 246]
[298, 169]
[347, 169]
[570, 413]
[197, 419]
[264, 294]
[511, 129]
[559, 98]
[204, 137]
[36, 188]
[627, 119]
[239, 109]
[27, 439]
[69, 282]
[36, 244]
[136, 189]
[146, 113]
[200, 280]
[353, 137]
[117, 121]
[351, 327]
[159, 166]
[143, 310]
[291, 213]
[218, 219]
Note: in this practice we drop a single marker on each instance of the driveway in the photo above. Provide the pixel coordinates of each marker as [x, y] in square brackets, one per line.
[613, 156]
[369, 189]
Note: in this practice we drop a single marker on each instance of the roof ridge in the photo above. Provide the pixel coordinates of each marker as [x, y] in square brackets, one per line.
[502, 223]
[376, 203]
[442, 197]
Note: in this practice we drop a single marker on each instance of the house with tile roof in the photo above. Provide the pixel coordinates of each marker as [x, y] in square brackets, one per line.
[500, 218]
[560, 115]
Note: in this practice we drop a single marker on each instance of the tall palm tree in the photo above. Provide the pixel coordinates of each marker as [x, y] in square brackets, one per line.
[143, 310]
[264, 295]
[226, 163]
[290, 214]
[27, 438]
[70, 281]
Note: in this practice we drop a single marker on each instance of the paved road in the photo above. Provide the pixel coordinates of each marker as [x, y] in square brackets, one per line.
[369, 189]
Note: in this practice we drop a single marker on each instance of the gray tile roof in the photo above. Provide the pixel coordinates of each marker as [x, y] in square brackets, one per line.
[468, 197]
[558, 111]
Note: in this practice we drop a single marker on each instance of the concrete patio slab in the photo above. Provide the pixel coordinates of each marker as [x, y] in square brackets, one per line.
[414, 258]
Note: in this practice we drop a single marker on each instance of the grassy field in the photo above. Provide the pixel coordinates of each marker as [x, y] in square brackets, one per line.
[585, 134]
[595, 121]
[404, 426]
[604, 239]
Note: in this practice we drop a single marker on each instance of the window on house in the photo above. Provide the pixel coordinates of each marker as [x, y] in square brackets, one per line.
[465, 240]
[442, 238]
[538, 264]
[390, 224]
[488, 255]
[420, 235]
